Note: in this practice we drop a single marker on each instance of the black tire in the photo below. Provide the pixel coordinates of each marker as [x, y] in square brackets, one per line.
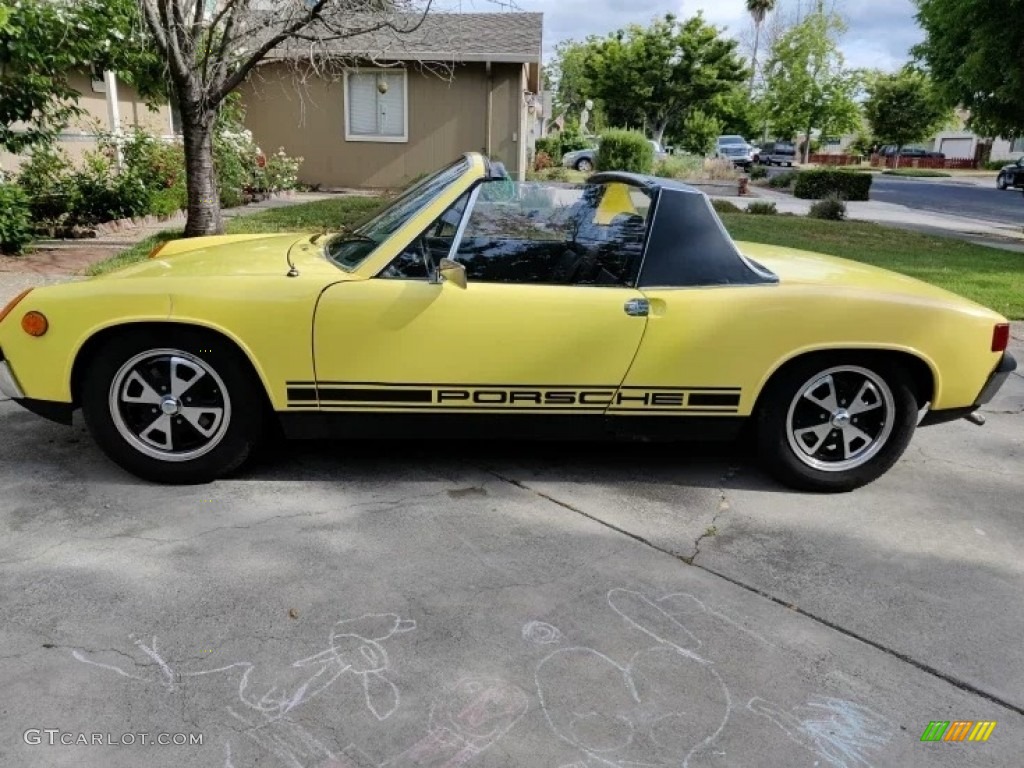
[191, 361]
[584, 165]
[786, 397]
[1002, 183]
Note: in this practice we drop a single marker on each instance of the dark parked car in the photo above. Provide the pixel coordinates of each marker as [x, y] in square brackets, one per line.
[890, 151]
[1012, 176]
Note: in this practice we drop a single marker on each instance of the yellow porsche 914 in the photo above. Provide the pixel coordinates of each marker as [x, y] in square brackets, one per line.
[475, 306]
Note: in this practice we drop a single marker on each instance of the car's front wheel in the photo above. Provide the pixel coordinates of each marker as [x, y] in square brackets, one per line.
[179, 408]
[584, 165]
[1002, 182]
[831, 424]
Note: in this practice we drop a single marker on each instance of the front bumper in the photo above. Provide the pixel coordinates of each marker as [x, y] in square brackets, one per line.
[1007, 365]
[9, 387]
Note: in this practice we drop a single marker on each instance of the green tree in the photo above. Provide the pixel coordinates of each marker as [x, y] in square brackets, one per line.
[568, 75]
[903, 108]
[654, 76]
[974, 51]
[758, 10]
[807, 86]
[42, 44]
[699, 133]
[209, 49]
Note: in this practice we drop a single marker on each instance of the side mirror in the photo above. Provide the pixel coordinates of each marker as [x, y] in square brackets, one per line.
[452, 272]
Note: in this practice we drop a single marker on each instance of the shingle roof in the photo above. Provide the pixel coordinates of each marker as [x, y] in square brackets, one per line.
[498, 37]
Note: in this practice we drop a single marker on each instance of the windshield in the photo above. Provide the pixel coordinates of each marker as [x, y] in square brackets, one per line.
[350, 249]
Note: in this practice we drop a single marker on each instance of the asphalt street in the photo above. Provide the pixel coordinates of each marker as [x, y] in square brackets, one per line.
[956, 199]
[347, 605]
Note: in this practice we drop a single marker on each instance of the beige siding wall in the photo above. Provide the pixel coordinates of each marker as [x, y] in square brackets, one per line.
[446, 118]
[80, 136]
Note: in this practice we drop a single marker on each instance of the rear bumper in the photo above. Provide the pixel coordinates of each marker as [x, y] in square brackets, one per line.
[1007, 365]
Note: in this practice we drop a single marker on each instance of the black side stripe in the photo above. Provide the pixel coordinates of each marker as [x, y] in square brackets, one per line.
[723, 400]
[349, 395]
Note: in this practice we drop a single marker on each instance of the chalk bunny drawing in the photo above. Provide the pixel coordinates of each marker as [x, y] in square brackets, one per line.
[668, 703]
[657, 709]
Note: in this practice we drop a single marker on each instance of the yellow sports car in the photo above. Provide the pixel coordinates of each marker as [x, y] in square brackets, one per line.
[476, 306]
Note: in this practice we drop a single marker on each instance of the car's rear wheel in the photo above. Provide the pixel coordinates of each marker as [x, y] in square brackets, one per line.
[584, 165]
[179, 408]
[1002, 182]
[835, 424]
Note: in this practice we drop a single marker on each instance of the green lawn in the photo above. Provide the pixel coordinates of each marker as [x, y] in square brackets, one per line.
[926, 173]
[989, 276]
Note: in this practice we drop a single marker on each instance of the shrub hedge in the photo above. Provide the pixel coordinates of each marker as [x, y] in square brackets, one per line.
[15, 224]
[818, 184]
[625, 151]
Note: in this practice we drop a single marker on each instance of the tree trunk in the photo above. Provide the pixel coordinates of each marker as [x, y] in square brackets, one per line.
[897, 163]
[807, 146]
[753, 64]
[659, 133]
[201, 180]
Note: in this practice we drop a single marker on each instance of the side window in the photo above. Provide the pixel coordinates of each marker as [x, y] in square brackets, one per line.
[419, 259]
[534, 233]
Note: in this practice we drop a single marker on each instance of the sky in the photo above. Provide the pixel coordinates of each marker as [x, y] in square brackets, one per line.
[880, 31]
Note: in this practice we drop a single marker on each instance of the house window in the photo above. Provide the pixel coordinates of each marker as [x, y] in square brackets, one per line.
[376, 105]
[1017, 145]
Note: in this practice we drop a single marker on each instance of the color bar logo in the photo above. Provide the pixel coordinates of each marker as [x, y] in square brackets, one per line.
[960, 730]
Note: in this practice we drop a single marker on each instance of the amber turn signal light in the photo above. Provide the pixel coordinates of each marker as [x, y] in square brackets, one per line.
[35, 323]
[13, 303]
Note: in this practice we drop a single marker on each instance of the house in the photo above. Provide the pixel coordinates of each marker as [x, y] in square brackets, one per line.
[964, 144]
[387, 107]
[108, 105]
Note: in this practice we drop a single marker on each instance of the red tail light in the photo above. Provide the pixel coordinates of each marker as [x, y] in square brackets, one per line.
[1001, 337]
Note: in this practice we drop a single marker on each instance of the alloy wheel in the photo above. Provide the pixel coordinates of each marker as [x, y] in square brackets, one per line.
[169, 405]
[840, 419]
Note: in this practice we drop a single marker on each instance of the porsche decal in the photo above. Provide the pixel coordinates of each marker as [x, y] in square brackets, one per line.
[525, 398]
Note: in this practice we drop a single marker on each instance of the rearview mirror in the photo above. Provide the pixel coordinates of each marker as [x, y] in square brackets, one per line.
[452, 272]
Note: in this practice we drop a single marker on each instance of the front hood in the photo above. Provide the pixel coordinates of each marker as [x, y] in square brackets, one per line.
[218, 256]
[795, 267]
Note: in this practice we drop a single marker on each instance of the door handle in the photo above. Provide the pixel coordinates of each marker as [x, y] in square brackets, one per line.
[638, 308]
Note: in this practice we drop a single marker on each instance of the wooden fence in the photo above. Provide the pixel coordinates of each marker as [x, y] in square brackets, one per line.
[818, 159]
[936, 163]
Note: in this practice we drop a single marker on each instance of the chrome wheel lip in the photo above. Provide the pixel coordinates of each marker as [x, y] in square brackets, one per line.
[863, 455]
[168, 406]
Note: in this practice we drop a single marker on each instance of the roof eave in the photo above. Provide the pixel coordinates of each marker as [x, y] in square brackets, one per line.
[496, 58]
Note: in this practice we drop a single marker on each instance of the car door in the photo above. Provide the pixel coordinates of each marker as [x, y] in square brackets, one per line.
[545, 325]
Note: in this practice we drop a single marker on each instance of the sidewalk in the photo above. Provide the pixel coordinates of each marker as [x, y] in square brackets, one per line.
[994, 234]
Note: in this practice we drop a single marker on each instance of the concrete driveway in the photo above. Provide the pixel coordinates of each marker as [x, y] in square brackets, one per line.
[348, 605]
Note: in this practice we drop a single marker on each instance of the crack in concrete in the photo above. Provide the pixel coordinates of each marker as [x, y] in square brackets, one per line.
[723, 507]
[956, 682]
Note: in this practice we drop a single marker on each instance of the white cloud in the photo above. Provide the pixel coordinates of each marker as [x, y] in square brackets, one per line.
[881, 32]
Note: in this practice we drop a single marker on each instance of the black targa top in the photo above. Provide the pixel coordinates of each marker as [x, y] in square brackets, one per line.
[687, 245]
